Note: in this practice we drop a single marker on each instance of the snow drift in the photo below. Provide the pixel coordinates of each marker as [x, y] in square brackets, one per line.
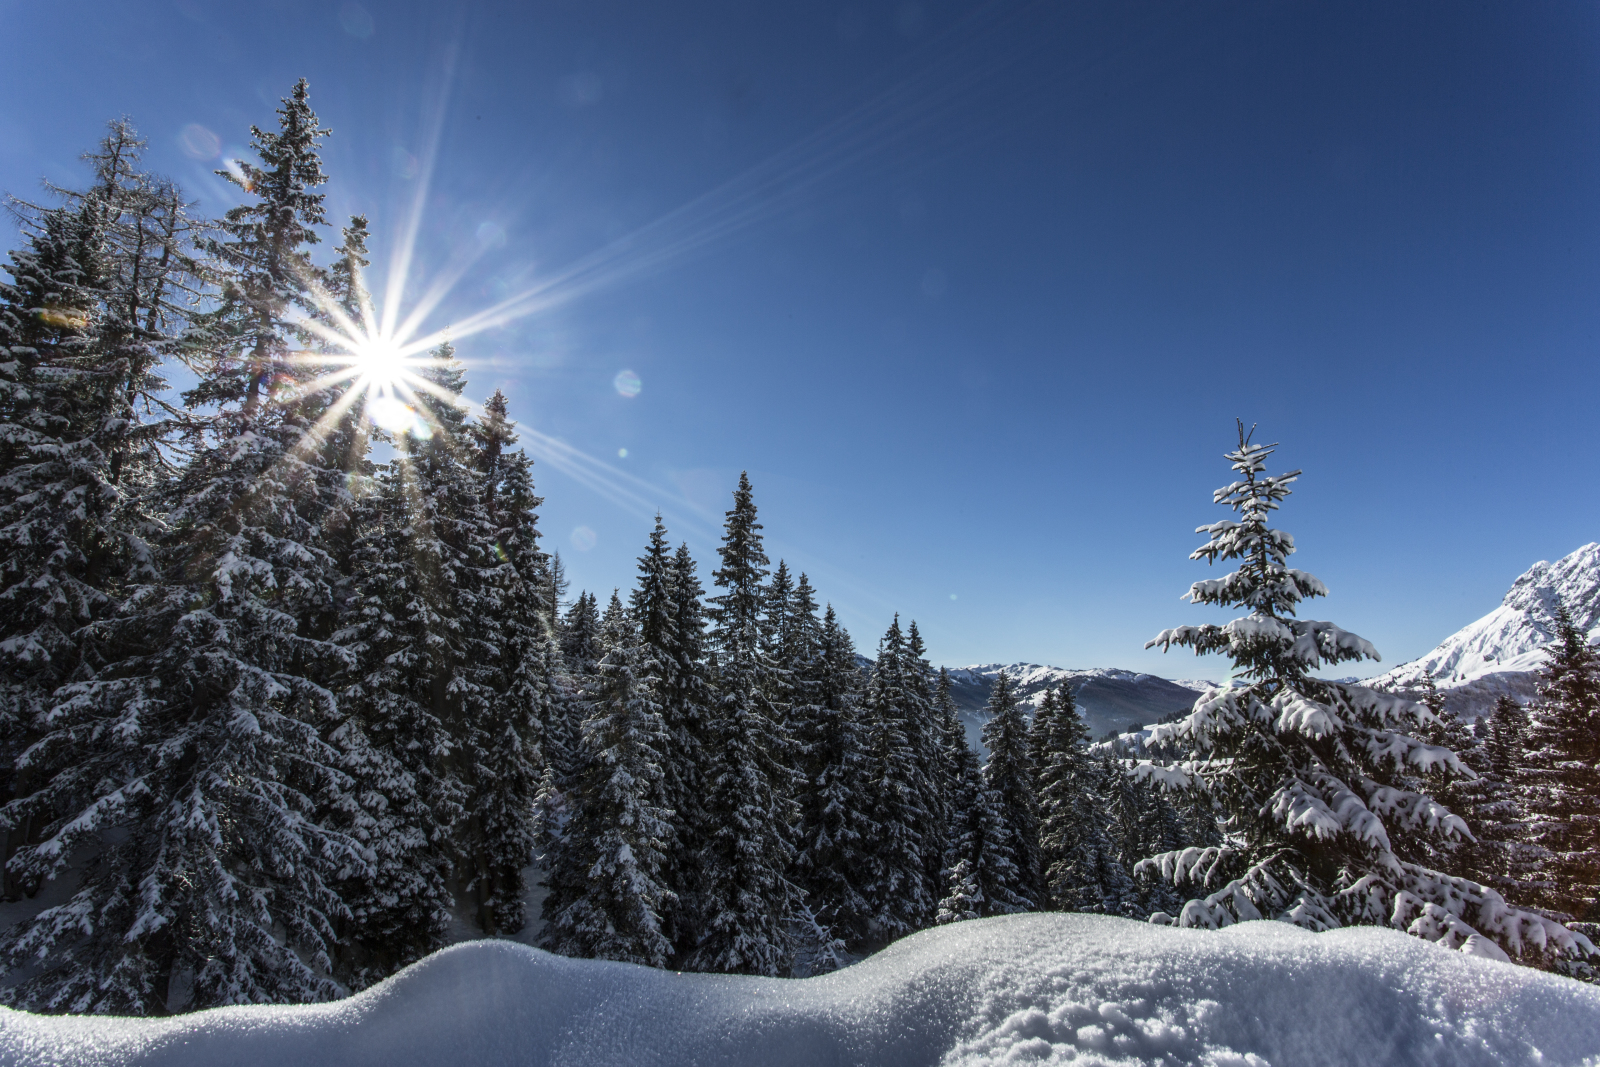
[1502, 652]
[1074, 989]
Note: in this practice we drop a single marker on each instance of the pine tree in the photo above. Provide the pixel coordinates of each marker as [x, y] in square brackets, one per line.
[836, 828]
[580, 640]
[55, 486]
[924, 732]
[747, 901]
[982, 877]
[896, 886]
[1009, 773]
[1561, 775]
[193, 757]
[616, 839]
[423, 721]
[1080, 868]
[1313, 774]
[95, 298]
[526, 674]
[686, 697]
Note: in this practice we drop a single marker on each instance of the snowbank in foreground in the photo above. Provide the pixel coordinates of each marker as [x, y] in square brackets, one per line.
[1034, 988]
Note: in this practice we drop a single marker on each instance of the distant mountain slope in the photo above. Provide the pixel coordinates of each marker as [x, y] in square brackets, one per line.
[1110, 699]
[1501, 652]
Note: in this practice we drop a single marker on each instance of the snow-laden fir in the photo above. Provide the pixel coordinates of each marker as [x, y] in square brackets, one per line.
[1038, 989]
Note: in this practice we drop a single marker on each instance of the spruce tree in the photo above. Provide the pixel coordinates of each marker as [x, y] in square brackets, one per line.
[1080, 868]
[686, 698]
[194, 757]
[1009, 773]
[836, 828]
[421, 706]
[924, 732]
[526, 673]
[747, 902]
[617, 836]
[1561, 774]
[896, 887]
[1313, 774]
[982, 876]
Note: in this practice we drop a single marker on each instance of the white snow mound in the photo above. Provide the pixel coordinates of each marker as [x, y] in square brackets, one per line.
[1079, 989]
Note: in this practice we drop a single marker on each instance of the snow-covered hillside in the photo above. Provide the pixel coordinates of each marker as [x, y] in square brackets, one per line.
[1110, 699]
[1501, 652]
[1080, 989]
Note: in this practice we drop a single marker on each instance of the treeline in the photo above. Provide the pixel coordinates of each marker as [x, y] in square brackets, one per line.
[739, 795]
[275, 714]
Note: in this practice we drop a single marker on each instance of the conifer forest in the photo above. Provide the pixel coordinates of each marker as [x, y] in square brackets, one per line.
[292, 688]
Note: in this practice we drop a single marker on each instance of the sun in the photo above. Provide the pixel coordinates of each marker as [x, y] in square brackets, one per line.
[378, 363]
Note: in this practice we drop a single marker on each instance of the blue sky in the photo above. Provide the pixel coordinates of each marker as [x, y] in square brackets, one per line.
[973, 291]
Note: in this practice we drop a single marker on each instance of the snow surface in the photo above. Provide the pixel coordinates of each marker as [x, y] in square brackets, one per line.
[1501, 651]
[1080, 989]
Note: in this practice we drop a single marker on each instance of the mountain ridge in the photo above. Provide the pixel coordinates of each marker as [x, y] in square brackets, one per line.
[1501, 653]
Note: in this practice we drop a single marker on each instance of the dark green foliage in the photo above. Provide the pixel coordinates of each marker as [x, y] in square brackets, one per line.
[1009, 773]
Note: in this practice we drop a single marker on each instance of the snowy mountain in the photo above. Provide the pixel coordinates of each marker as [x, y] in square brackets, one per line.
[1043, 988]
[1501, 652]
[1110, 699]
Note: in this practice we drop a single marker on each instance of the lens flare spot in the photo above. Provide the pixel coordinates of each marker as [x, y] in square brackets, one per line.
[627, 383]
[622, 453]
[356, 20]
[583, 538]
[491, 235]
[392, 414]
[199, 142]
[952, 596]
[404, 164]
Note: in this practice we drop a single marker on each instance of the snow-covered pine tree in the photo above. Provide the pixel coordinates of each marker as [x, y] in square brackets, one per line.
[617, 835]
[1009, 773]
[982, 877]
[1079, 865]
[56, 490]
[1311, 772]
[925, 734]
[895, 886]
[579, 635]
[777, 620]
[678, 646]
[835, 825]
[343, 295]
[418, 707]
[95, 298]
[1501, 734]
[513, 761]
[188, 773]
[747, 902]
[1560, 777]
[952, 740]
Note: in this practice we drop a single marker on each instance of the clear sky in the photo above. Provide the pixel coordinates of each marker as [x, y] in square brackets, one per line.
[973, 291]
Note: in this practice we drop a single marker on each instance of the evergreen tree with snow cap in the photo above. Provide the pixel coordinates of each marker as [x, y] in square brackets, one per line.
[747, 902]
[836, 827]
[1079, 864]
[1561, 774]
[619, 831]
[195, 759]
[981, 877]
[1009, 772]
[896, 887]
[1312, 774]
